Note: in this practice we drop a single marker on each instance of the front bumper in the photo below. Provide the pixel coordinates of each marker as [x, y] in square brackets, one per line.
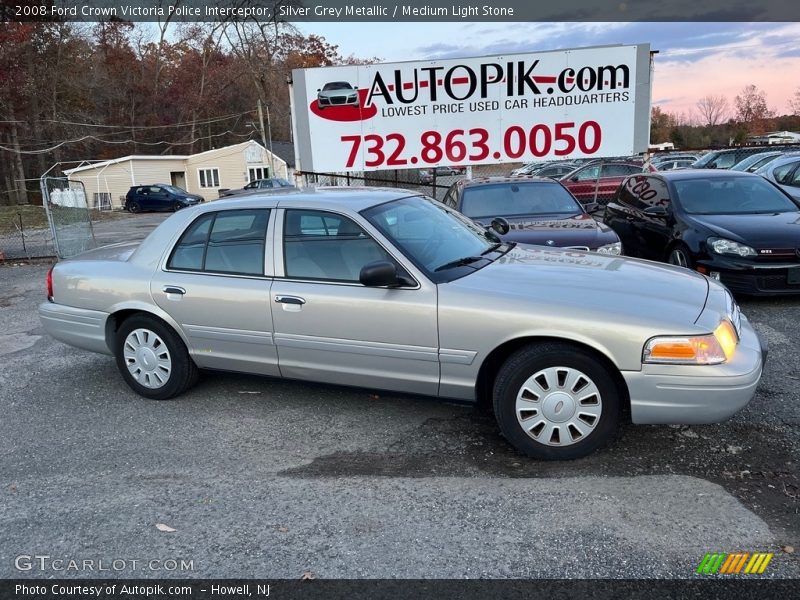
[757, 279]
[77, 327]
[337, 101]
[697, 394]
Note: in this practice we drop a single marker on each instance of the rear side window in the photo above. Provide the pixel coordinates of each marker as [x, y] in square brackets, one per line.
[230, 241]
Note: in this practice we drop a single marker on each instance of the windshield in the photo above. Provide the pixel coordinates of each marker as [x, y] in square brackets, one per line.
[517, 200]
[428, 232]
[337, 85]
[731, 196]
[704, 160]
[762, 162]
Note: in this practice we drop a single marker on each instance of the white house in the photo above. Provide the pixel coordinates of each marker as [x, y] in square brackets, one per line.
[774, 137]
[206, 173]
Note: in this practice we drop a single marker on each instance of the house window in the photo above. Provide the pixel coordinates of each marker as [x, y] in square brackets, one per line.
[255, 173]
[102, 200]
[209, 178]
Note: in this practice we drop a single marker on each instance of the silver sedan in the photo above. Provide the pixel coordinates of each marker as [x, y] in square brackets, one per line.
[389, 290]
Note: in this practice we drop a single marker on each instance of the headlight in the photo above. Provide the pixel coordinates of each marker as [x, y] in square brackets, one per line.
[615, 248]
[711, 349]
[723, 246]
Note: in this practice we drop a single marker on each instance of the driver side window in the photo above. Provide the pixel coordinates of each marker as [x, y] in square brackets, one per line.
[326, 246]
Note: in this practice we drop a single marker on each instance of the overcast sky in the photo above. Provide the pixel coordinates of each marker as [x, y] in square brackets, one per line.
[695, 59]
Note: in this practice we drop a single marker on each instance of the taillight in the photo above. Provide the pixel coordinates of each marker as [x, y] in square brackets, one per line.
[50, 284]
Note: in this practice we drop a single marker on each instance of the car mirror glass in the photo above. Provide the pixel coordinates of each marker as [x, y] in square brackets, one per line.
[500, 225]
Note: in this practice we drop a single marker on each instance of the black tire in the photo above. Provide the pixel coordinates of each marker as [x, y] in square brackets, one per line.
[176, 206]
[680, 256]
[529, 361]
[133, 207]
[183, 374]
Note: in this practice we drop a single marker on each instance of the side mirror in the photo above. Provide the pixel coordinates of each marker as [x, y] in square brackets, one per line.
[500, 225]
[591, 207]
[380, 273]
[656, 211]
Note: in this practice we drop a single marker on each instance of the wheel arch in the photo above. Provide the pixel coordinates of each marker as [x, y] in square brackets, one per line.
[120, 314]
[494, 360]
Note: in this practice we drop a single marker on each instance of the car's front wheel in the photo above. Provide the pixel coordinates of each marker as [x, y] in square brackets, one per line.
[153, 359]
[680, 257]
[555, 401]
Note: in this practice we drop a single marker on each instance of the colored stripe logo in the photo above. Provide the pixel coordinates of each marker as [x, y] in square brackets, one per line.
[720, 563]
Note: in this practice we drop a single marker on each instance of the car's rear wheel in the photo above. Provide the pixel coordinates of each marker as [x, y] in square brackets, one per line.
[679, 256]
[555, 401]
[153, 359]
[134, 207]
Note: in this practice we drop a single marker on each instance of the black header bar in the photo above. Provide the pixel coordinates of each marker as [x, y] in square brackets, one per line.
[382, 10]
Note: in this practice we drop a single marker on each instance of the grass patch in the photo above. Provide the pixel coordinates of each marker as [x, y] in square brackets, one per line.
[35, 217]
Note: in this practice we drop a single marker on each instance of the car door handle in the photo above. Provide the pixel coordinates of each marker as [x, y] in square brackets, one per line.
[290, 300]
[174, 289]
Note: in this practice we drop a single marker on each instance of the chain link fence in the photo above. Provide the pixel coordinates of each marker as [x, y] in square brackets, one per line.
[588, 180]
[25, 233]
[68, 215]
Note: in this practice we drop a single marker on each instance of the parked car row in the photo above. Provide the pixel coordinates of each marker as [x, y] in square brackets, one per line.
[164, 197]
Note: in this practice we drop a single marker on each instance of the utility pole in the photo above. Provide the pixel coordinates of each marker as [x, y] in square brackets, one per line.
[264, 137]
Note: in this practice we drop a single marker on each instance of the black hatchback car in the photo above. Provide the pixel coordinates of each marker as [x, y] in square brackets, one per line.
[159, 196]
[735, 227]
[538, 211]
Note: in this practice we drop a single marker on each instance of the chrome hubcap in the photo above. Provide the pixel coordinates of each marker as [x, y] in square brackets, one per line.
[147, 358]
[558, 406]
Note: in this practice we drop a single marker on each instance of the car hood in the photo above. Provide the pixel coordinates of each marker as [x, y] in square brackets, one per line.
[773, 230]
[337, 92]
[576, 230]
[636, 289]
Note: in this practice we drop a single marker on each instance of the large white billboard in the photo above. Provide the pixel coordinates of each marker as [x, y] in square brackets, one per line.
[586, 102]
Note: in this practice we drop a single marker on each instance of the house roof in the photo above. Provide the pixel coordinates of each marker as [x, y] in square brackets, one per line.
[113, 161]
[283, 150]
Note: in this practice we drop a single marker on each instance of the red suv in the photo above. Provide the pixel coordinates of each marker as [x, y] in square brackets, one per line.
[598, 182]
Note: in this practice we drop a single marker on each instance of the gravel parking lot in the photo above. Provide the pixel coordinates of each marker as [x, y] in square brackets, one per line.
[268, 478]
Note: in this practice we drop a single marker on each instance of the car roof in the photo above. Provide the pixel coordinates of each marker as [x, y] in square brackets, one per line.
[685, 174]
[786, 158]
[504, 179]
[347, 198]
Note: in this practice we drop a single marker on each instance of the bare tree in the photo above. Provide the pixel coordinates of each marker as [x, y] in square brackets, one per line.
[713, 109]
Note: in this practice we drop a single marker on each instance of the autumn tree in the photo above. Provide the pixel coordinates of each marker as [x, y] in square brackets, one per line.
[751, 108]
[794, 103]
[713, 109]
[661, 123]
